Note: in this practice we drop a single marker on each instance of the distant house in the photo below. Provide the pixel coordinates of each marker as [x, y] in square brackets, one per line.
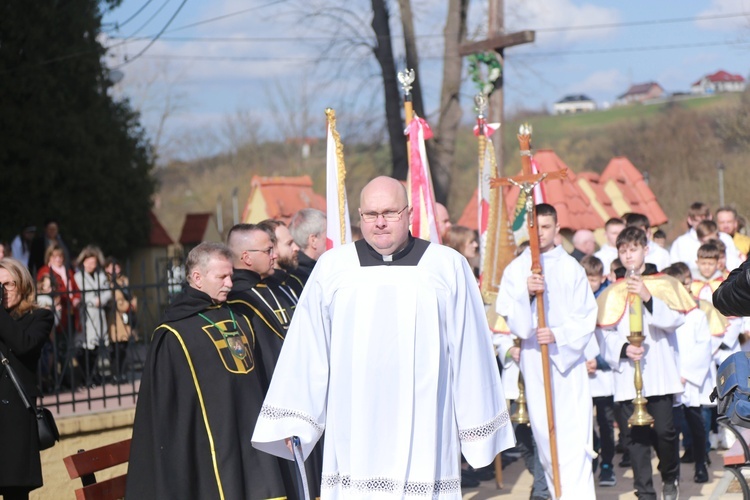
[641, 92]
[198, 227]
[574, 104]
[280, 198]
[721, 81]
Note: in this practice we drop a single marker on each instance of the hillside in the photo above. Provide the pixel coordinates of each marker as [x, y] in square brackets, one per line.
[678, 144]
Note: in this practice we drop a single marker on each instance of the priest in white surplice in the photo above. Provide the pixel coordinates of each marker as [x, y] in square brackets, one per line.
[389, 352]
[570, 310]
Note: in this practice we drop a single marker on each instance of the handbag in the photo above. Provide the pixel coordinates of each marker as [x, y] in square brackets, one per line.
[733, 389]
[45, 422]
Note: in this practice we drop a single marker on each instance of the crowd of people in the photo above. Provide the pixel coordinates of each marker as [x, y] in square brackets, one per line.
[374, 364]
[61, 321]
[589, 327]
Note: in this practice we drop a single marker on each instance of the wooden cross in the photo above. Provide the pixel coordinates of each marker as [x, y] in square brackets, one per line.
[527, 181]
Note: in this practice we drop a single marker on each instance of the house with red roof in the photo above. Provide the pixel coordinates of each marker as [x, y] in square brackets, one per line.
[721, 81]
[280, 198]
[197, 228]
[640, 93]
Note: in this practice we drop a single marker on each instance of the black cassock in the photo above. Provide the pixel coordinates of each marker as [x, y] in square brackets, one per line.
[270, 308]
[199, 400]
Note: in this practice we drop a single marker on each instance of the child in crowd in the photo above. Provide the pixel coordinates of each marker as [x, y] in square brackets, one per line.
[601, 384]
[660, 238]
[664, 304]
[694, 347]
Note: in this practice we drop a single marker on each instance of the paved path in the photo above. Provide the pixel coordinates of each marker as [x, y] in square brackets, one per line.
[517, 482]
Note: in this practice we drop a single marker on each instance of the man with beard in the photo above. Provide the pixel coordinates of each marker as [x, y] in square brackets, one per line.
[287, 260]
[308, 228]
[200, 396]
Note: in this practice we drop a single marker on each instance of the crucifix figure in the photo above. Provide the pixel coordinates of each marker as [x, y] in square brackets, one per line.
[527, 181]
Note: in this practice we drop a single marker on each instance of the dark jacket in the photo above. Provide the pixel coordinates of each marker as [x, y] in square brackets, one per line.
[21, 341]
[732, 298]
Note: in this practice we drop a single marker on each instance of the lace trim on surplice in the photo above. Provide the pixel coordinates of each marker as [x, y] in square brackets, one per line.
[388, 485]
[485, 430]
[275, 413]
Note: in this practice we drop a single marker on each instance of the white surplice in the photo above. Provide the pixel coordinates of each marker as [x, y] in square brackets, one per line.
[659, 366]
[606, 254]
[694, 348]
[396, 364]
[570, 311]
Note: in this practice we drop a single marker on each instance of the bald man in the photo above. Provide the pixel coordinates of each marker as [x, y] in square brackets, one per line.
[442, 219]
[583, 244]
[389, 351]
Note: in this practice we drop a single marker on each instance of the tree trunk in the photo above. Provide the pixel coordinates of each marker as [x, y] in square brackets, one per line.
[444, 138]
[384, 54]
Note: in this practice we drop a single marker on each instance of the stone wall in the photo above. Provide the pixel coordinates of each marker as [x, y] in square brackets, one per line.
[81, 433]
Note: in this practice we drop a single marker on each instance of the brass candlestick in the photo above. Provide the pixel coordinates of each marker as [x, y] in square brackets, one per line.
[521, 416]
[640, 416]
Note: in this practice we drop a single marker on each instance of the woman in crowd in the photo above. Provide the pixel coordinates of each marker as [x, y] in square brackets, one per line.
[466, 242]
[24, 328]
[96, 293]
[64, 289]
[121, 317]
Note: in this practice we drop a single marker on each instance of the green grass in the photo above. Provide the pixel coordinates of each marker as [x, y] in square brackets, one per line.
[551, 128]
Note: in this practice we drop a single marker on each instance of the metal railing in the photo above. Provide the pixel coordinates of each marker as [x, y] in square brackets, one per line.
[85, 366]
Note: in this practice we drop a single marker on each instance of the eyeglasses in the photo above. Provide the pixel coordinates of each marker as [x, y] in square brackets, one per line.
[10, 285]
[266, 251]
[388, 216]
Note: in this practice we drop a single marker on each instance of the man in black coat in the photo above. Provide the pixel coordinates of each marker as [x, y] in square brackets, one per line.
[200, 396]
[732, 298]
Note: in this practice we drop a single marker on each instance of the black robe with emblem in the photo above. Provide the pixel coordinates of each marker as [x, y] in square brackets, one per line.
[257, 298]
[197, 408]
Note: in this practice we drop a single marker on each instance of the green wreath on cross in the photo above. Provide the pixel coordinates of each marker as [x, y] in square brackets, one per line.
[494, 71]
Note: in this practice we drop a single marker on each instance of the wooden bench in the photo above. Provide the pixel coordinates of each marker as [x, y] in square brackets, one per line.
[736, 458]
[84, 464]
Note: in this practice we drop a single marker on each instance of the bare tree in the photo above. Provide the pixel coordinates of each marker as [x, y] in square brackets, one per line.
[383, 51]
[444, 138]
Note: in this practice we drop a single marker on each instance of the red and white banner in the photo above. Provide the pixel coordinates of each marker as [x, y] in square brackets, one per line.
[422, 195]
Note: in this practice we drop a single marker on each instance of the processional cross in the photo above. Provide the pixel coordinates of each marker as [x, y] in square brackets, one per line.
[527, 181]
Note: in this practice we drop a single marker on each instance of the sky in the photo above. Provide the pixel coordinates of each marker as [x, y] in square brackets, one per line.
[204, 73]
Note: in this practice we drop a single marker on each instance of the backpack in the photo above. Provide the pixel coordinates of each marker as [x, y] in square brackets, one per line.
[733, 389]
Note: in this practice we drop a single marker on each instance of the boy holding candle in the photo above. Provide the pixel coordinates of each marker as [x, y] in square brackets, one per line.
[651, 306]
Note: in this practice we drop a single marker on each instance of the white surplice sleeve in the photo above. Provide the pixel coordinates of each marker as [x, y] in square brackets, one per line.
[695, 349]
[513, 301]
[303, 365]
[661, 316]
[573, 324]
[484, 427]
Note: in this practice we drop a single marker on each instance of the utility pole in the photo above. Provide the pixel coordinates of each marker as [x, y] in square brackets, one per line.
[496, 27]
[497, 41]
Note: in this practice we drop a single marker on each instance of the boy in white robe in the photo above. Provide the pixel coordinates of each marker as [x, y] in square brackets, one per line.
[694, 348]
[665, 301]
[389, 352]
[570, 310]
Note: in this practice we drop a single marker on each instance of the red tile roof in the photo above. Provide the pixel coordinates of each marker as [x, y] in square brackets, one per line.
[157, 236]
[721, 76]
[634, 189]
[574, 210]
[572, 197]
[194, 228]
[285, 196]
